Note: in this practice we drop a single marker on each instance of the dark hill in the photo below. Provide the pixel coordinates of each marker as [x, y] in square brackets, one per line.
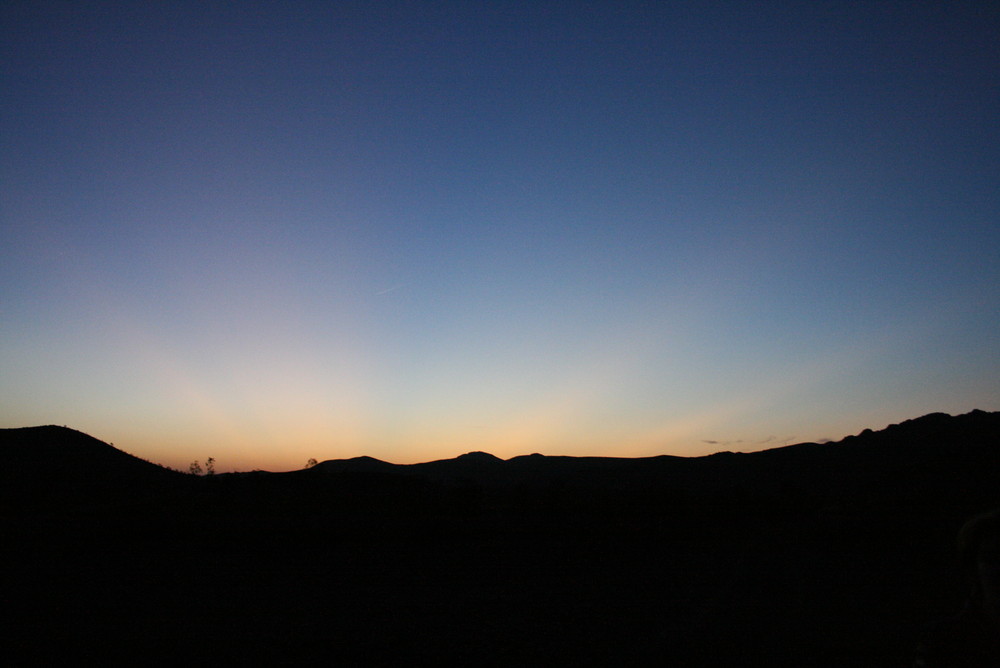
[829, 554]
[60, 451]
[355, 464]
[930, 450]
[56, 465]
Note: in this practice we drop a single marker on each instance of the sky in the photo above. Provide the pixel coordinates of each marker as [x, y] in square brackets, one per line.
[266, 232]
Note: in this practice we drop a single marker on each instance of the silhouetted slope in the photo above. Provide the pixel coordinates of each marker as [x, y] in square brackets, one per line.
[926, 453]
[933, 446]
[355, 464]
[812, 554]
[46, 465]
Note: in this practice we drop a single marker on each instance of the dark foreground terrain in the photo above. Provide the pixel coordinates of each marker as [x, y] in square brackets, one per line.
[808, 555]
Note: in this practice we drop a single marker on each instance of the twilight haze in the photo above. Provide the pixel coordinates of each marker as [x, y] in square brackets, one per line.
[410, 230]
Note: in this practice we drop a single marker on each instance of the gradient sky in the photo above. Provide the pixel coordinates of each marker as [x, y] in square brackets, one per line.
[266, 232]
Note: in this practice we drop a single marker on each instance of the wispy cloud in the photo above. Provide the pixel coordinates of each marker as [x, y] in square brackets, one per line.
[754, 442]
[723, 443]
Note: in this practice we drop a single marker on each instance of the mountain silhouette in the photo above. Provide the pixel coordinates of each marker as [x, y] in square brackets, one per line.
[59, 451]
[926, 449]
[53, 465]
[365, 464]
[820, 554]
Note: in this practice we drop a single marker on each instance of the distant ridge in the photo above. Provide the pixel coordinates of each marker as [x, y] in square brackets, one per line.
[363, 463]
[974, 429]
[48, 457]
[925, 429]
[480, 457]
[816, 546]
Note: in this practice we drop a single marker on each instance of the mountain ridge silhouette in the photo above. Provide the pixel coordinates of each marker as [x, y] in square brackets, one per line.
[64, 456]
[813, 554]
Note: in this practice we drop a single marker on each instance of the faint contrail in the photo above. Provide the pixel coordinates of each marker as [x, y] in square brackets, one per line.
[388, 290]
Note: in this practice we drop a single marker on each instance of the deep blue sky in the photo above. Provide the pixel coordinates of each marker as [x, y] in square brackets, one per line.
[271, 231]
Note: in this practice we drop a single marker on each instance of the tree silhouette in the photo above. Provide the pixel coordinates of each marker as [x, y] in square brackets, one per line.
[194, 468]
